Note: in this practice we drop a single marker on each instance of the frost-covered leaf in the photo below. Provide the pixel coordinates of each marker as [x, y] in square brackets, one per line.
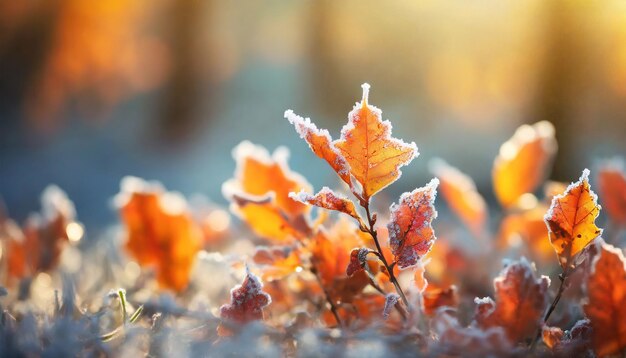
[247, 301]
[390, 302]
[160, 231]
[606, 301]
[259, 192]
[366, 148]
[411, 234]
[327, 199]
[523, 162]
[571, 219]
[520, 300]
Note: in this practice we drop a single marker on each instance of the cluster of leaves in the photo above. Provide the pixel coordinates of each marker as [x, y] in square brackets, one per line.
[352, 283]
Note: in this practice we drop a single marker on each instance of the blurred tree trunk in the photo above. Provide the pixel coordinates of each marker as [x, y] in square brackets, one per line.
[181, 93]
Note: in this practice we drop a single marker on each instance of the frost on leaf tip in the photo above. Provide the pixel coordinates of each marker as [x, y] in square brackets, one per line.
[327, 199]
[411, 234]
[571, 219]
[521, 298]
[365, 153]
[247, 301]
[606, 301]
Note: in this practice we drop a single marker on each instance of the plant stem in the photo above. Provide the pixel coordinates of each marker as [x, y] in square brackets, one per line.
[562, 278]
[371, 230]
[333, 308]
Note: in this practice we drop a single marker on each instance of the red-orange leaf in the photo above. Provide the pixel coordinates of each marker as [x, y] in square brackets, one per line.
[521, 299]
[366, 148]
[612, 186]
[606, 303]
[571, 219]
[411, 234]
[435, 297]
[161, 232]
[246, 301]
[327, 199]
[523, 162]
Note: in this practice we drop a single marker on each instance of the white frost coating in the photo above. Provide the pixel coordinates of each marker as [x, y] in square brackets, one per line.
[302, 196]
[613, 250]
[366, 92]
[396, 235]
[390, 301]
[584, 177]
[54, 203]
[305, 128]
[130, 184]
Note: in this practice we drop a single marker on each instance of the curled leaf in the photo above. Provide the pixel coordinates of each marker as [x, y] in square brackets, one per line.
[411, 234]
[606, 301]
[327, 199]
[523, 162]
[571, 219]
[358, 260]
[521, 298]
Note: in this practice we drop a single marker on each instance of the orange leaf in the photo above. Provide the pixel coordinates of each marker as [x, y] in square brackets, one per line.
[259, 192]
[246, 301]
[523, 162]
[612, 186]
[161, 232]
[411, 234]
[552, 336]
[327, 199]
[606, 303]
[435, 297]
[571, 219]
[521, 299]
[365, 148]
[38, 247]
[459, 191]
[320, 142]
[278, 262]
[528, 228]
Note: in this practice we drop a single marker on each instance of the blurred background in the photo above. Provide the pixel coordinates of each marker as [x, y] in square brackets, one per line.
[91, 91]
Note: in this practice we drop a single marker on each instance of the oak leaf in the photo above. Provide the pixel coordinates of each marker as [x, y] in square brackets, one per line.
[523, 162]
[606, 301]
[259, 192]
[247, 301]
[411, 234]
[571, 220]
[521, 299]
[612, 187]
[366, 148]
[160, 231]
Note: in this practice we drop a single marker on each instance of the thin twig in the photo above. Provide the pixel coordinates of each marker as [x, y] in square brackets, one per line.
[562, 277]
[371, 230]
[333, 307]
